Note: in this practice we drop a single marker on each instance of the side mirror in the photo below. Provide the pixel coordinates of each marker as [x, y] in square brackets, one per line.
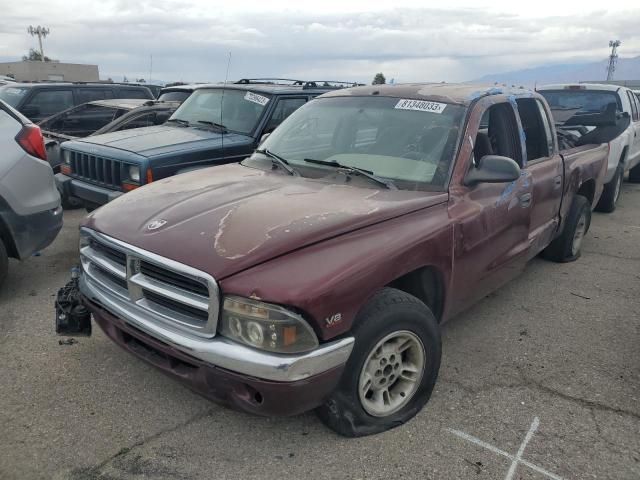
[493, 169]
[264, 137]
[162, 117]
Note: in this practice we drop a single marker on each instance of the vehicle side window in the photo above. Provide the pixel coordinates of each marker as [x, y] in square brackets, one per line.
[500, 136]
[547, 126]
[536, 136]
[85, 95]
[634, 106]
[49, 102]
[284, 108]
[146, 120]
[131, 93]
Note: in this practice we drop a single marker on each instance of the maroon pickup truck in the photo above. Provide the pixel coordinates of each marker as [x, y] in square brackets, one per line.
[316, 273]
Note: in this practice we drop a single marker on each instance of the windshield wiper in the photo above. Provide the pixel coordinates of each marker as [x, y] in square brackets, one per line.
[278, 160]
[179, 121]
[361, 171]
[214, 124]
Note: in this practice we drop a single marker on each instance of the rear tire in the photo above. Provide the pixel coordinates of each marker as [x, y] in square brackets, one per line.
[611, 192]
[634, 174]
[567, 247]
[4, 262]
[392, 368]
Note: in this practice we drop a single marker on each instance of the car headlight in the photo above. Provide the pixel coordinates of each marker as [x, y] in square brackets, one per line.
[134, 173]
[66, 157]
[265, 326]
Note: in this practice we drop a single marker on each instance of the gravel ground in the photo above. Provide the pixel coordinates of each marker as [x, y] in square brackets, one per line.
[540, 380]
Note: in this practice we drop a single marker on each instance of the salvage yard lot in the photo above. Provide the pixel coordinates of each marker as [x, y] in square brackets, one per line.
[561, 344]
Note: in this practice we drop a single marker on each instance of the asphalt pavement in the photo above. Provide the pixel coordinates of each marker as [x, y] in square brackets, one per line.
[540, 380]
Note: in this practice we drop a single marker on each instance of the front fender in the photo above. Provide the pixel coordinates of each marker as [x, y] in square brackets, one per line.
[330, 281]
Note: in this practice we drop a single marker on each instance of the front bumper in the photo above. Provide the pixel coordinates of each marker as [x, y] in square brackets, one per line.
[31, 233]
[93, 194]
[245, 392]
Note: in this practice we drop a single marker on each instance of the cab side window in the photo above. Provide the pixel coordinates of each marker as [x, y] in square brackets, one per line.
[498, 134]
[85, 95]
[146, 120]
[48, 102]
[634, 106]
[536, 129]
[284, 108]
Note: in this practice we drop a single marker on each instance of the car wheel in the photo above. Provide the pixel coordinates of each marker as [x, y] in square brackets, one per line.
[611, 192]
[634, 174]
[4, 262]
[567, 247]
[392, 369]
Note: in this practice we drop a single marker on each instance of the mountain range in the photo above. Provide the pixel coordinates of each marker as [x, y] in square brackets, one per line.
[626, 69]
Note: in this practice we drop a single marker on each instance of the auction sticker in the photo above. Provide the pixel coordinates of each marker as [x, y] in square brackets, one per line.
[255, 98]
[420, 105]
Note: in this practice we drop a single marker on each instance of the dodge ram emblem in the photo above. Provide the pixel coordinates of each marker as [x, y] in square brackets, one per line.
[156, 224]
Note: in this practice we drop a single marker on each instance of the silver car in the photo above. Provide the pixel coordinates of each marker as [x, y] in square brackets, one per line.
[30, 211]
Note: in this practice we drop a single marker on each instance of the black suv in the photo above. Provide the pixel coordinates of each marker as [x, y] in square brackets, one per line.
[38, 101]
[217, 124]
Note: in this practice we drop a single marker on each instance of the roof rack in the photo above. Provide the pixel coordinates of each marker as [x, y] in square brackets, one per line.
[305, 84]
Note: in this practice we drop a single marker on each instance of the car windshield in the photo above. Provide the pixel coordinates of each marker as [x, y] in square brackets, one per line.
[12, 95]
[411, 142]
[566, 104]
[236, 110]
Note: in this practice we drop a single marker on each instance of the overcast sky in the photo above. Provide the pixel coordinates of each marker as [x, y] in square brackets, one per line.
[325, 39]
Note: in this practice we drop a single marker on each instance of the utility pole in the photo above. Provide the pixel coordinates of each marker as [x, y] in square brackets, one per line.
[150, 66]
[613, 58]
[40, 32]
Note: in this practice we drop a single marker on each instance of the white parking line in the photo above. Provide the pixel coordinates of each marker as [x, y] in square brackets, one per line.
[515, 459]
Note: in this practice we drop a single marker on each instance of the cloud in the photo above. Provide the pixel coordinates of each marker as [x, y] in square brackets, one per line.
[190, 40]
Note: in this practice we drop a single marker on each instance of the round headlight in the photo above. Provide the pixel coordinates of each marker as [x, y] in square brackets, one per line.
[134, 173]
[235, 325]
[255, 334]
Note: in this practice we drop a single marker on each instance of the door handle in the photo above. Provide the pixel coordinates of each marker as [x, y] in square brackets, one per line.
[557, 181]
[525, 200]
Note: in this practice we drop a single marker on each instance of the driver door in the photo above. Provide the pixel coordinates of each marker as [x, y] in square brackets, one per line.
[491, 220]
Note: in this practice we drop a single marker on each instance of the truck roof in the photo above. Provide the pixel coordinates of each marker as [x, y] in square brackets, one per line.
[455, 93]
[581, 86]
[131, 103]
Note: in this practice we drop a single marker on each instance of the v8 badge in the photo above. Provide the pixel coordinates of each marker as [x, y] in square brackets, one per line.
[333, 319]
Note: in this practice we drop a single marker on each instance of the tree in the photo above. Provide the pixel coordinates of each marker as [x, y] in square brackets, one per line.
[379, 79]
[34, 56]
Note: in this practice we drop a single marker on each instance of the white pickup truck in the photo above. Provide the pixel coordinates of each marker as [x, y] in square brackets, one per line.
[574, 105]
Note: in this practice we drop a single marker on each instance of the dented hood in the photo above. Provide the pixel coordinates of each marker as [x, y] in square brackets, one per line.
[225, 219]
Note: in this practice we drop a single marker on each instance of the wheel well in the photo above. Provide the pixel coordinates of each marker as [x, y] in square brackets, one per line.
[623, 155]
[427, 285]
[7, 239]
[587, 190]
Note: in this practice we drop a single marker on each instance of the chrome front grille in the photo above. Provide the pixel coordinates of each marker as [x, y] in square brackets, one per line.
[172, 294]
[96, 169]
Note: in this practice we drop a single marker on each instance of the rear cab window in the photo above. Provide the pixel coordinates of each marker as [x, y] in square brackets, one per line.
[533, 118]
[569, 104]
[177, 96]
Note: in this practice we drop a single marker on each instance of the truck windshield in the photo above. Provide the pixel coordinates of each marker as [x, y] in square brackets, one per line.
[237, 110]
[568, 103]
[411, 142]
[12, 95]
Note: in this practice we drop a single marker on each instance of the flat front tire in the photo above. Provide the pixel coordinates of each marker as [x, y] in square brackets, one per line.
[392, 369]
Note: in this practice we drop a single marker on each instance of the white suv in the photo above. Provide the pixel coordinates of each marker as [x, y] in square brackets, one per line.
[566, 100]
[30, 211]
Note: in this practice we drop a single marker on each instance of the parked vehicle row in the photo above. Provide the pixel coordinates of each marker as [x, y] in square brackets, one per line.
[217, 124]
[37, 101]
[316, 272]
